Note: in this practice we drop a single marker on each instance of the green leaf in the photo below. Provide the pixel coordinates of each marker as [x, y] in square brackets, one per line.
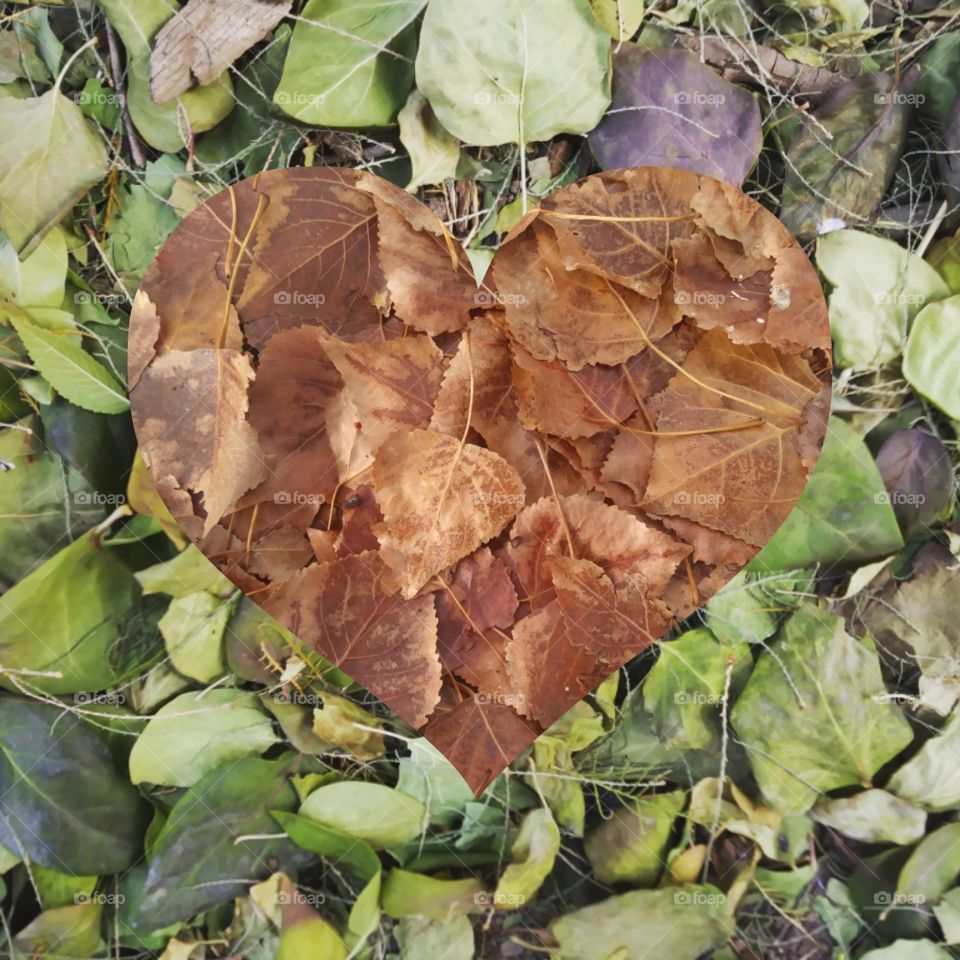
[933, 866]
[533, 852]
[843, 517]
[408, 894]
[342, 850]
[947, 912]
[423, 939]
[684, 690]
[196, 732]
[64, 802]
[70, 370]
[620, 18]
[350, 62]
[809, 717]
[64, 933]
[42, 502]
[931, 362]
[749, 607]
[522, 72]
[931, 778]
[630, 846]
[37, 186]
[878, 288]
[58, 889]
[68, 645]
[427, 775]
[192, 630]
[199, 859]
[310, 938]
[938, 76]
[434, 153]
[676, 922]
[369, 811]
[873, 816]
[186, 573]
[908, 950]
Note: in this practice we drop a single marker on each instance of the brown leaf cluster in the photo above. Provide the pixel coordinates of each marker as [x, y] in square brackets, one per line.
[480, 503]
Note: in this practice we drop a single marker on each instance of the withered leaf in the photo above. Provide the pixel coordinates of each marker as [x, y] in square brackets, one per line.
[392, 385]
[190, 416]
[440, 501]
[744, 478]
[351, 612]
[479, 504]
[480, 737]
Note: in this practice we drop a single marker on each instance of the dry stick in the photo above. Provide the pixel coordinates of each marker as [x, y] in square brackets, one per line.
[136, 150]
[722, 773]
[814, 83]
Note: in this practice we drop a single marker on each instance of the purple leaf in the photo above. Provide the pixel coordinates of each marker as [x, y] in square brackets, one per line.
[918, 475]
[670, 110]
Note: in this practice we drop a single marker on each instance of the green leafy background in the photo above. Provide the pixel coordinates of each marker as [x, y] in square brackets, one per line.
[181, 778]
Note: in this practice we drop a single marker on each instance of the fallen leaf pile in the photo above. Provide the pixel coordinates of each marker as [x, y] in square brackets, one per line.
[480, 502]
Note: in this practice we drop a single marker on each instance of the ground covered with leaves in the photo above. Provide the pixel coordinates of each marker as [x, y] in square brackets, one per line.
[182, 777]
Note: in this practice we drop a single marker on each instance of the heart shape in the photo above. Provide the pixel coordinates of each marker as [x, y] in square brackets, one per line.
[479, 503]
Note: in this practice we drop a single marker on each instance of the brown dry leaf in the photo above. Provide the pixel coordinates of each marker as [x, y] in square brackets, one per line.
[144, 333]
[620, 225]
[189, 414]
[440, 501]
[296, 383]
[744, 479]
[392, 385]
[480, 738]
[203, 39]
[351, 612]
[572, 315]
[473, 611]
[431, 284]
[553, 399]
[480, 504]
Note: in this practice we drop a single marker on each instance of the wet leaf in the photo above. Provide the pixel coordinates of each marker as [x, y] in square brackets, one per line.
[845, 177]
[918, 475]
[66, 804]
[670, 110]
